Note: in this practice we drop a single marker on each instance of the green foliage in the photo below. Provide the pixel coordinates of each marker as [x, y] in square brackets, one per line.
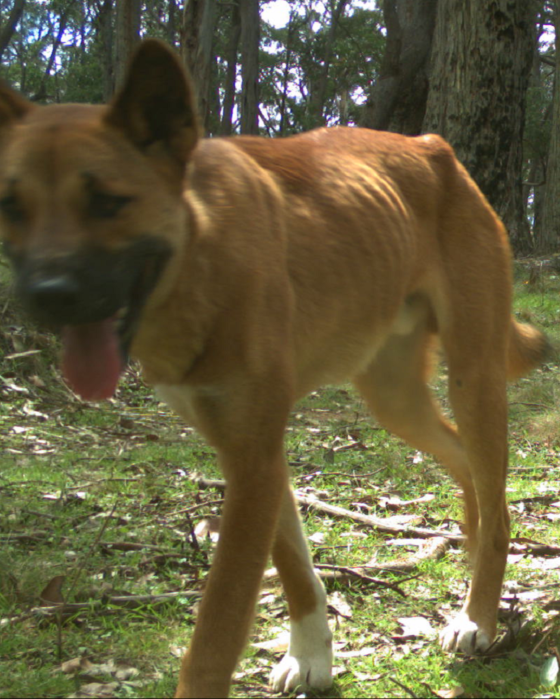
[73, 30]
[356, 54]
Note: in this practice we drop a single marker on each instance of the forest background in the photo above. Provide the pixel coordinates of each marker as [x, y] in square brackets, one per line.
[482, 73]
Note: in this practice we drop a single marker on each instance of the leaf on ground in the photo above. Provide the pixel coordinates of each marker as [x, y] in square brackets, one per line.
[208, 527]
[97, 689]
[317, 538]
[549, 672]
[279, 644]
[529, 595]
[415, 626]
[124, 673]
[177, 651]
[80, 664]
[52, 593]
[450, 693]
[97, 669]
[546, 564]
[360, 653]
[402, 520]
[434, 548]
[338, 602]
[394, 502]
[253, 674]
[268, 597]
[123, 545]
[354, 535]
[404, 542]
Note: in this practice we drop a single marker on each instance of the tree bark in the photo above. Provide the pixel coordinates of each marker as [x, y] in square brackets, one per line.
[482, 54]
[231, 73]
[128, 35]
[317, 105]
[171, 28]
[250, 37]
[9, 27]
[106, 41]
[549, 225]
[535, 150]
[397, 101]
[199, 26]
[41, 93]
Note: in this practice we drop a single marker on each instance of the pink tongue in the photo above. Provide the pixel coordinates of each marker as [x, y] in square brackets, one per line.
[91, 361]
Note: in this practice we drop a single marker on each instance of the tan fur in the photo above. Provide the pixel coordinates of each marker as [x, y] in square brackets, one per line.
[339, 254]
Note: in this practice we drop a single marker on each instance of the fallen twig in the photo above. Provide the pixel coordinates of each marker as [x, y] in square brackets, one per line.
[198, 506]
[204, 483]
[431, 550]
[517, 545]
[85, 558]
[102, 606]
[342, 572]
[374, 522]
[125, 601]
[32, 536]
[535, 548]
[128, 546]
[403, 687]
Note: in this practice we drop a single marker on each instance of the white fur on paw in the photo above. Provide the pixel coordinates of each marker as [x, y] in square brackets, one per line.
[464, 635]
[308, 662]
[293, 672]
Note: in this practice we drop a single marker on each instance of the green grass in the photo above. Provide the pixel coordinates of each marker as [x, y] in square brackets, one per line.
[80, 485]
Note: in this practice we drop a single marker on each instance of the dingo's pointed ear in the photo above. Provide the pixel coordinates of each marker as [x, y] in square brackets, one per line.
[13, 106]
[156, 105]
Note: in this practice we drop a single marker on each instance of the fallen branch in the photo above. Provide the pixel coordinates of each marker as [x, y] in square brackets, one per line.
[30, 537]
[534, 548]
[343, 573]
[125, 601]
[198, 506]
[517, 545]
[204, 483]
[431, 550]
[101, 606]
[374, 522]
[127, 546]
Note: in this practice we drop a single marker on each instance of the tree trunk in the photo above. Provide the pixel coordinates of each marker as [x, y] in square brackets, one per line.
[41, 93]
[286, 77]
[549, 225]
[199, 26]
[250, 37]
[231, 73]
[9, 27]
[536, 152]
[397, 101]
[317, 106]
[482, 54]
[128, 35]
[106, 41]
[171, 28]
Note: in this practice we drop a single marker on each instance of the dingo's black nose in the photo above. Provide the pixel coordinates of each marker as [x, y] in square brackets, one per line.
[54, 295]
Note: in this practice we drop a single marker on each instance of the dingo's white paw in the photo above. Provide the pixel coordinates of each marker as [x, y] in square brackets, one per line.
[293, 672]
[464, 635]
[308, 662]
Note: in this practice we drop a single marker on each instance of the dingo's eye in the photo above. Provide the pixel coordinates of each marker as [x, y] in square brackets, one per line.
[103, 205]
[11, 208]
